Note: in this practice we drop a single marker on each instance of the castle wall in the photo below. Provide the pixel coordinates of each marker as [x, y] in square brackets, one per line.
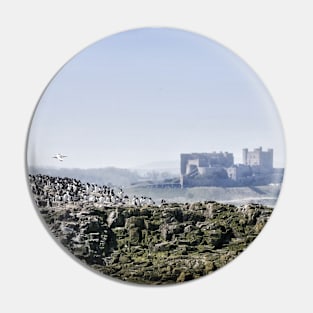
[237, 172]
[187, 181]
[205, 160]
[183, 163]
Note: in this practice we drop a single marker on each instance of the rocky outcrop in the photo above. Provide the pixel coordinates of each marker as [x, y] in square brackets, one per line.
[156, 244]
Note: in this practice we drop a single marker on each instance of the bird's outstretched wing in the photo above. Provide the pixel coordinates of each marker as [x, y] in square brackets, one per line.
[59, 156]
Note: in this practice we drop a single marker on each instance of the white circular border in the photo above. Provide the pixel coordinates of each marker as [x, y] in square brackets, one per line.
[274, 39]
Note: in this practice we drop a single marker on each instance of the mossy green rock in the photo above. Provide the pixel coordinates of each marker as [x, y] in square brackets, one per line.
[157, 244]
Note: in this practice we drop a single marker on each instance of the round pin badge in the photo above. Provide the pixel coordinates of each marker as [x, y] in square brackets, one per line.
[155, 156]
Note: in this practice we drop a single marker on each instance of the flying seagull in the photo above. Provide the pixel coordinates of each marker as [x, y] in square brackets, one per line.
[59, 156]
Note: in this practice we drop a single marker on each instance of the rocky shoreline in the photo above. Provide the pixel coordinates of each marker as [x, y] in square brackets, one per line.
[153, 244]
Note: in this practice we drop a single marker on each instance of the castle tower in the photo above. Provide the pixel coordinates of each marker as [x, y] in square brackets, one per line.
[258, 157]
[244, 156]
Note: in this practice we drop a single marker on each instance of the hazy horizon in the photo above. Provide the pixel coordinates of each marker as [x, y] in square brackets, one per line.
[136, 167]
[147, 95]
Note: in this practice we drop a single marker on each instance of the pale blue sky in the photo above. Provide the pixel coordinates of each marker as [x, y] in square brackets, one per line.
[148, 95]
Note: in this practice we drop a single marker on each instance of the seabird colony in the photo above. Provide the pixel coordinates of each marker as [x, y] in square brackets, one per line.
[55, 191]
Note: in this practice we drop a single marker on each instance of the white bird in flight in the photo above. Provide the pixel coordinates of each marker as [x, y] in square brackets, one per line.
[59, 156]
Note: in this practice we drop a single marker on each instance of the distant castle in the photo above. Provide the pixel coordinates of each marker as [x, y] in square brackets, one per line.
[218, 169]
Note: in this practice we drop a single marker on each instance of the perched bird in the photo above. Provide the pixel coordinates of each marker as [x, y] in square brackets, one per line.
[150, 201]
